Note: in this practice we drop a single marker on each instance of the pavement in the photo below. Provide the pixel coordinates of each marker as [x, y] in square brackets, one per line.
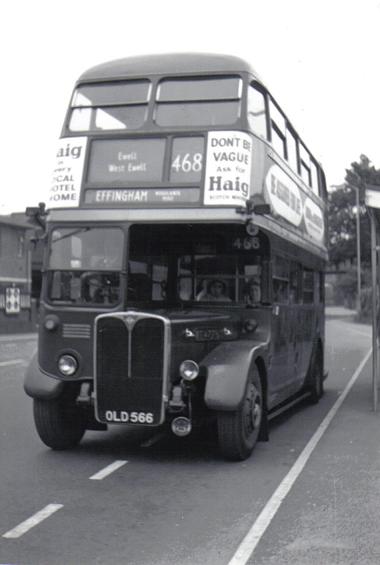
[332, 514]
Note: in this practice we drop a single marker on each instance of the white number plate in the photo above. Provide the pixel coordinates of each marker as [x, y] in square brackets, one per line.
[129, 417]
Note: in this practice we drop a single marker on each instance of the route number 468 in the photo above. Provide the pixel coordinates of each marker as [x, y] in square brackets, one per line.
[188, 163]
[246, 243]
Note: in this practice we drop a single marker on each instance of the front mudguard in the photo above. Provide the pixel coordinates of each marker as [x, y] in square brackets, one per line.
[228, 367]
[39, 385]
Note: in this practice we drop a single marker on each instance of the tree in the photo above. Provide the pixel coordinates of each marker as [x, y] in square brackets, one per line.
[342, 213]
[362, 173]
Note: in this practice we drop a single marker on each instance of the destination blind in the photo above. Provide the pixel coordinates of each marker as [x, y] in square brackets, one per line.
[142, 160]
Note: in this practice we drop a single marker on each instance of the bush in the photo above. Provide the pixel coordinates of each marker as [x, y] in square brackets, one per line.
[345, 289]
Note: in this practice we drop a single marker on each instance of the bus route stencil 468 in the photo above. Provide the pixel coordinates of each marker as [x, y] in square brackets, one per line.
[67, 174]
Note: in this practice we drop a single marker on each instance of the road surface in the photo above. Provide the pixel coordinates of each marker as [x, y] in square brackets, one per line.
[118, 499]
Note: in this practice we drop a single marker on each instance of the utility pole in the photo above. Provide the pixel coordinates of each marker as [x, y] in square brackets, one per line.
[372, 200]
[358, 252]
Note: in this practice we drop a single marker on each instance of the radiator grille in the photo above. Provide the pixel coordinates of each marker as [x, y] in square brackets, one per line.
[130, 366]
[147, 349]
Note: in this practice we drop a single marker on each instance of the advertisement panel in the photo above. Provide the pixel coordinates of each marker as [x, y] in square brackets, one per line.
[67, 174]
[228, 168]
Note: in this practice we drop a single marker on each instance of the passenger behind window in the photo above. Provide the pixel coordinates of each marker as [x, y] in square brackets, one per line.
[253, 292]
[216, 292]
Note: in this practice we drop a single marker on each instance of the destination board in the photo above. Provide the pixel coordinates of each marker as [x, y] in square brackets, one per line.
[126, 160]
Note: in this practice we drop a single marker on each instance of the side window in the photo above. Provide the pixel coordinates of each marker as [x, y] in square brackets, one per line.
[256, 111]
[305, 165]
[319, 288]
[278, 129]
[314, 177]
[295, 283]
[281, 280]
[291, 145]
[308, 286]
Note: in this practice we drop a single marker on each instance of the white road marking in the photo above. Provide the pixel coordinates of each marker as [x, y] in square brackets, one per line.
[108, 470]
[33, 521]
[13, 362]
[249, 543]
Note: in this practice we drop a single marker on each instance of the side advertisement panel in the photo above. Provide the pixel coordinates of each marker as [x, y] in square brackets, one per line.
[290, 203]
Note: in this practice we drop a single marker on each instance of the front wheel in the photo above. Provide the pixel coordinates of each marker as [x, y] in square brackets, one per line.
[238, 431]
[59, 422]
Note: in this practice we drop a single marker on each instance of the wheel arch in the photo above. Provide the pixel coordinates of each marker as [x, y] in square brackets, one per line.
[228, 371]
[39, 385]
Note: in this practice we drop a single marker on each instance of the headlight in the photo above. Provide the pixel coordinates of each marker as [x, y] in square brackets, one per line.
[189, 370]
[67, 364]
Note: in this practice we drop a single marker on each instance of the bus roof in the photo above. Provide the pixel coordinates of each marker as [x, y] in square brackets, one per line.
[167, 64]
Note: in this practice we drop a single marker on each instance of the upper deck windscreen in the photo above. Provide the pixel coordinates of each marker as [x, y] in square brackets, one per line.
[110, 106]
[177, 102]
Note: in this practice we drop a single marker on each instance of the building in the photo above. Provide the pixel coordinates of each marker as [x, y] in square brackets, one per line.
[17, 310]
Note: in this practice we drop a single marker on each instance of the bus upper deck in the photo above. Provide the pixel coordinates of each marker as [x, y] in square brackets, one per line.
[198, 136]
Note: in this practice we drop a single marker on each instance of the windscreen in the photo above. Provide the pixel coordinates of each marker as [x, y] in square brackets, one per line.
[84, 266]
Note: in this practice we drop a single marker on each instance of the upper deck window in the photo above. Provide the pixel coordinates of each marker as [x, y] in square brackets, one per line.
[198, 101]
[195, 90]
[257, 111]
[110, 106]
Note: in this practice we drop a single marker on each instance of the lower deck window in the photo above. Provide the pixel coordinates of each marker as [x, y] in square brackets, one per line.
[198, 264]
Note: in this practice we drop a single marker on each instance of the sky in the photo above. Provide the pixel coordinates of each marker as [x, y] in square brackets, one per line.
[318, 58]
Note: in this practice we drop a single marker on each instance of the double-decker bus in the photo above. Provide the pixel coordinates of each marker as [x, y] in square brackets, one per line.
[185, 250]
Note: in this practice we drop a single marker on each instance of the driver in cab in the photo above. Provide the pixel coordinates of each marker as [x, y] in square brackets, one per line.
[216, 292]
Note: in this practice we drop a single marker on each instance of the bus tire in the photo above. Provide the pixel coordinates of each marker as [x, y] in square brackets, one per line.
[238, 431]
[59, 422]
[316, 381]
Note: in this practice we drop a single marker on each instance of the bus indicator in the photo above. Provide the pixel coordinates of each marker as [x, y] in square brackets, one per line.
[187, 159]
[127, 196]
